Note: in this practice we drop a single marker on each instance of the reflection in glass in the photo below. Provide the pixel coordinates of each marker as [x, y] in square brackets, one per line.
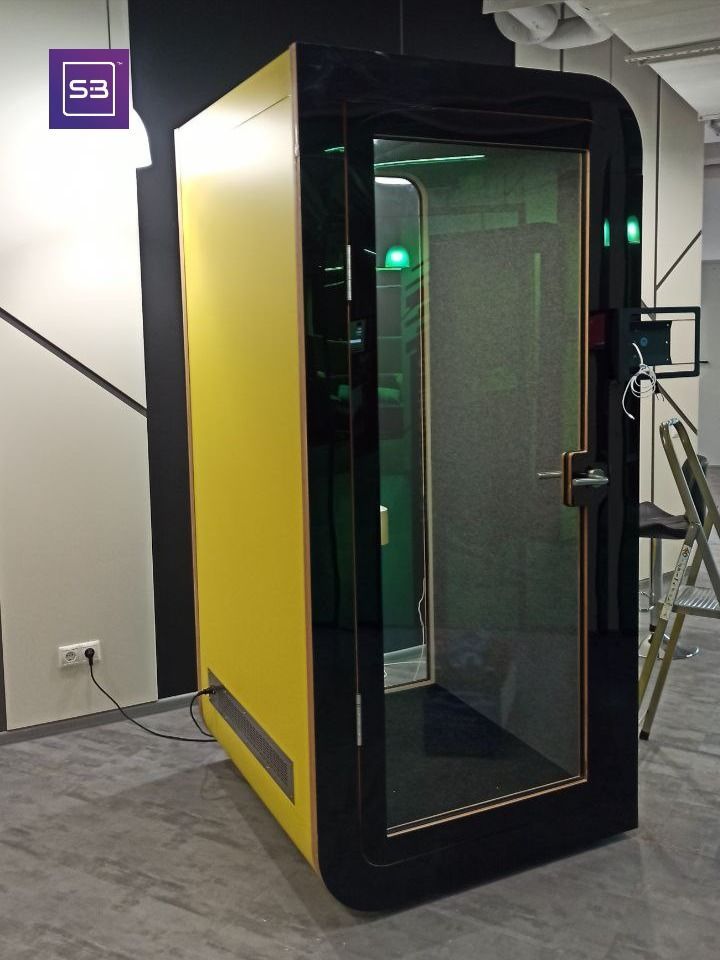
[478, 302]
[401, 419]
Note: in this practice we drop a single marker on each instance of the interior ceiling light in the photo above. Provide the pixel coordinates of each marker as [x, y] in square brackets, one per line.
[137, 132]
[633, 230]
[397, 257]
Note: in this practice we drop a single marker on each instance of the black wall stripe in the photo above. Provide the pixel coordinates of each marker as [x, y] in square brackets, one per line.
[71, 361]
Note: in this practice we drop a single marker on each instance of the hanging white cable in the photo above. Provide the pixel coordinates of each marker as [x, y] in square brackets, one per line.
[642, 383]
[423, 647]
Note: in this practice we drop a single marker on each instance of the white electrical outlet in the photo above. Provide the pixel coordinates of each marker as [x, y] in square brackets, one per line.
[73, 655]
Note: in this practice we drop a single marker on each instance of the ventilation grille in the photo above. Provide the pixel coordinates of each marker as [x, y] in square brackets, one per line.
[258, 742]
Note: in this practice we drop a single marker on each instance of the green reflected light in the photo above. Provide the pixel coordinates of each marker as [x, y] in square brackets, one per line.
[606, 232]
[397, 257]
[411, 163]
[633, 230]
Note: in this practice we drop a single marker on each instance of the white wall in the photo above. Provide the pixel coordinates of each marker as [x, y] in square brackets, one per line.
[710, 352]
[711, 213]
[672, 176]
[75, 559]
[710, 327]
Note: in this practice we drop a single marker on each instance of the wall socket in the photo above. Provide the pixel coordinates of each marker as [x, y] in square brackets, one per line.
[73, 655]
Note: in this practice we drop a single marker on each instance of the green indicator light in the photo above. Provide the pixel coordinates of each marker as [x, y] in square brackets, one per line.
[633, 230]
[606, 232]
[397, 257]
[410, 163]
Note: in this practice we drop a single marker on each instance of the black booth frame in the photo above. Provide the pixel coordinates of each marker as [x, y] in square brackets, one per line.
[344, 99]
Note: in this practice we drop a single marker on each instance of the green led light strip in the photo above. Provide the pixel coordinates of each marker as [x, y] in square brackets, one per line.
[408, 163]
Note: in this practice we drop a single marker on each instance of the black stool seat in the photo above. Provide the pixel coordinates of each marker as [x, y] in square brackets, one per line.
[658, 524]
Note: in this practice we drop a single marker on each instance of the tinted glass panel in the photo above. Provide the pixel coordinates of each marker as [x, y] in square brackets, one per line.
[479, 282]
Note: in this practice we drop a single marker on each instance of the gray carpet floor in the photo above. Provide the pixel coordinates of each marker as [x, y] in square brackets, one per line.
[118, 846]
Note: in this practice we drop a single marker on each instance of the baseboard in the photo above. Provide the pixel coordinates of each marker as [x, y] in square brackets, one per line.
[93, 720]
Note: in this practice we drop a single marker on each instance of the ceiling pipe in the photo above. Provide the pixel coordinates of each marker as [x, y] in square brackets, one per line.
[530, 25]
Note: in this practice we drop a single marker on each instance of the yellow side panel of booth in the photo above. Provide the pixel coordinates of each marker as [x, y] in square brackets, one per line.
[240, 240]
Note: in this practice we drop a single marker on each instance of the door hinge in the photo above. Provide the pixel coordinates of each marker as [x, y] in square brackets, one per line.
[348, 271]
[358, 719]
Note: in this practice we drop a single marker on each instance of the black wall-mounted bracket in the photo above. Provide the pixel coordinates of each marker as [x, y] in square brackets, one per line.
[653, 338]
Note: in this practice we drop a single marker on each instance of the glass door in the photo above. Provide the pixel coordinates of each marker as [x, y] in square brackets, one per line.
[480, 381]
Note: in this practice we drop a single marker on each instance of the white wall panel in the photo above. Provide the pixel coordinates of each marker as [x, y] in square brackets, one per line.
[640, 86]
[69, 257]
[710, 351]
[75, 542]
[537, 57]
[595, 60]
[679, 220]
[680, 182]
[711, 214]
[75, 549]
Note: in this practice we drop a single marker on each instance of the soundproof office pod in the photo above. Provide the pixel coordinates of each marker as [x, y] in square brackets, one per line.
[415, 522]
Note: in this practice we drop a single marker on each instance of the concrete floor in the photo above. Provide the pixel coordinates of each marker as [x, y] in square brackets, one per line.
[118, 846]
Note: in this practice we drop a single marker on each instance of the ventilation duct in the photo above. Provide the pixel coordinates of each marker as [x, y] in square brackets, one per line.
[542, 25]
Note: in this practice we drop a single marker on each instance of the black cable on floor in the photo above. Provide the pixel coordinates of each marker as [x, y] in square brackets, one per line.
[207, 738]
[196, 696]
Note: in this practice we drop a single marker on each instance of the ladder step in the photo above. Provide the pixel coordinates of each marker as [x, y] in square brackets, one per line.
[698, 601]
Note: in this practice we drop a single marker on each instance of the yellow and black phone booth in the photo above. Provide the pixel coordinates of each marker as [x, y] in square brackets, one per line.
[415, 520]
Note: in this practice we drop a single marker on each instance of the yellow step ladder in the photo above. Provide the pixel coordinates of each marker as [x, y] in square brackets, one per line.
[683, 598]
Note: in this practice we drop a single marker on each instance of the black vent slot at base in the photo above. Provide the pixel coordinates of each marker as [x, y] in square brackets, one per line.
[259, 743]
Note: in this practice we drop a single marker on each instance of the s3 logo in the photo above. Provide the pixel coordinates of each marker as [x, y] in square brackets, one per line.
[88, 89]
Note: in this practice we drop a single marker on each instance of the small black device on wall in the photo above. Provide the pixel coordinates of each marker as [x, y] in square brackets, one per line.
[669, 341]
